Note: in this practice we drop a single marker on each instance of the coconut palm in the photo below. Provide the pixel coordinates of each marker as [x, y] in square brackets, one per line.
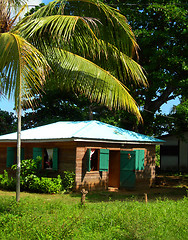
[87, 44]
[22, 68]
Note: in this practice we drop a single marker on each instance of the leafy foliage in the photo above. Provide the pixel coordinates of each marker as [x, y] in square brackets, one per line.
[45, 185]
[30, 179]
[7, 122]
[68, 180]
[78, 28]
[180, 115]
[6, 182]
[160, 29]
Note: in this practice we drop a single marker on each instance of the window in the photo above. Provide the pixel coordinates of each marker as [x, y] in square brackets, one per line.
[49, 157]
[168, 150]
[94, 158]
[97, 160]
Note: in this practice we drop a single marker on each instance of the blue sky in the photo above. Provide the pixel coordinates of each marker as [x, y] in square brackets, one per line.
[9, 105]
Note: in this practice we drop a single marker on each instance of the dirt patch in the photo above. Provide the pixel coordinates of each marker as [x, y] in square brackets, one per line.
[165, 187]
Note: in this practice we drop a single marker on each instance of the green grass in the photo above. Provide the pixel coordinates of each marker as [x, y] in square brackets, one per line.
[42, 216]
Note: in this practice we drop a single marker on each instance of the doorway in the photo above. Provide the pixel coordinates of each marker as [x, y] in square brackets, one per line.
[114, 169]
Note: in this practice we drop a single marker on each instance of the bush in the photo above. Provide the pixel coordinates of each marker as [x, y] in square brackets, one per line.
[45, 185]
[30, 180]
[29, 166]
[6, 182]
[68, 180]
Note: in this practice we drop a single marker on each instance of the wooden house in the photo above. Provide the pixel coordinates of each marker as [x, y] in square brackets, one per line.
[101, 155]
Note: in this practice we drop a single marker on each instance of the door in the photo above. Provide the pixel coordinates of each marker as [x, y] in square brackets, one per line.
[127, 169]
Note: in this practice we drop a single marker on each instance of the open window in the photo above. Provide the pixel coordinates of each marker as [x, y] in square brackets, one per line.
[49, 157]
[97, 159]
[94, 158]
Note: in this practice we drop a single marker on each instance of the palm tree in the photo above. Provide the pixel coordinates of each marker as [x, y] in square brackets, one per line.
[77, 38]
[22, 69]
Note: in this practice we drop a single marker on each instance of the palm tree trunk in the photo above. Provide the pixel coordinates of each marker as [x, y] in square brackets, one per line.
[18, 151]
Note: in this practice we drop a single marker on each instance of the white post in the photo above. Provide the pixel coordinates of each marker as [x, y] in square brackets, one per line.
[18, 169]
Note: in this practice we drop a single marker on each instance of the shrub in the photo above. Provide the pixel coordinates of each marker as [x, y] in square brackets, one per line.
[45, 185]
[29, 166]
[68, 180]
[6, 182]
[30, 180]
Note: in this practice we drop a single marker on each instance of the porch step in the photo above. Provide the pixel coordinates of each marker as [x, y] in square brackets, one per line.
[112, 189]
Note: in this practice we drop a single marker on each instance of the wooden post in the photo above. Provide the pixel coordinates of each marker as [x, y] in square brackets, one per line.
[83, 198]
[146, 197]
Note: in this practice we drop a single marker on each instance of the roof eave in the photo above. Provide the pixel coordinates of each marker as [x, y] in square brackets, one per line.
[83, 140]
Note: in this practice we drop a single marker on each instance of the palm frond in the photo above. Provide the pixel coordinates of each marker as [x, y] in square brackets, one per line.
[59, 27]
[23, 66]
[75, 73]
[114, 26]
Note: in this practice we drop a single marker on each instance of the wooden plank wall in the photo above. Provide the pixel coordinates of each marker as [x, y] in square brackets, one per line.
[93, 180]
[66, 155]
[72, 158]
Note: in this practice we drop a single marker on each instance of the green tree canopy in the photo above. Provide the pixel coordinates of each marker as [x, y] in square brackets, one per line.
[7, 122]
[160, 28]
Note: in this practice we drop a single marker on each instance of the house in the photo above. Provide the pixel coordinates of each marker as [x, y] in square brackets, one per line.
[101, 155]
[174, 153]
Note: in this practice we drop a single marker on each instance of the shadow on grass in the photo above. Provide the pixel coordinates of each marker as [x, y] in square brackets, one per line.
[153, 194]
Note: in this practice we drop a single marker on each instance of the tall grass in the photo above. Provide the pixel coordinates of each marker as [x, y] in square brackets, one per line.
[39, 216]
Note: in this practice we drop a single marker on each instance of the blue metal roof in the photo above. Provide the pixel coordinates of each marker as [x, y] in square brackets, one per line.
[80, 130]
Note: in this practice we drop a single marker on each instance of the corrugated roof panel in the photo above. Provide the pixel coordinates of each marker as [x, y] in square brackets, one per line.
[80, 130]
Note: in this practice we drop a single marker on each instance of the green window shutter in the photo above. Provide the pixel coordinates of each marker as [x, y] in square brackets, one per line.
[37, 152]
[88, 160]
[10, 156]
[139, 159]
[22, 154]
[104, 160]
[55, 159]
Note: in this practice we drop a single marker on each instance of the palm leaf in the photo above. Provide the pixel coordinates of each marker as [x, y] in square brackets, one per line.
[75, 73]
[59, 27]
[114, 26]
[23, 67]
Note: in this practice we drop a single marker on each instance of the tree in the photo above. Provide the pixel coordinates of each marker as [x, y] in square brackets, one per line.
[160, 27]
[19, 68]
[56, 32]
[180, 115]
[7, 122]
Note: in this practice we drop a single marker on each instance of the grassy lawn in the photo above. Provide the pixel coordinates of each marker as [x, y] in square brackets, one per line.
[104, 216]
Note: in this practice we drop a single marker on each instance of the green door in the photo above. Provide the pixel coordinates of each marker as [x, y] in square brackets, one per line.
[127, 169]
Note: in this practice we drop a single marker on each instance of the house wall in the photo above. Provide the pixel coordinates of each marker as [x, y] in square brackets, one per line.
[100, 180]
[72, 157]
[66, 155]
[183, 154]
[174, 161]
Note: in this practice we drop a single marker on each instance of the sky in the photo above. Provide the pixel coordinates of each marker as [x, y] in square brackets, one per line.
[8, 105]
